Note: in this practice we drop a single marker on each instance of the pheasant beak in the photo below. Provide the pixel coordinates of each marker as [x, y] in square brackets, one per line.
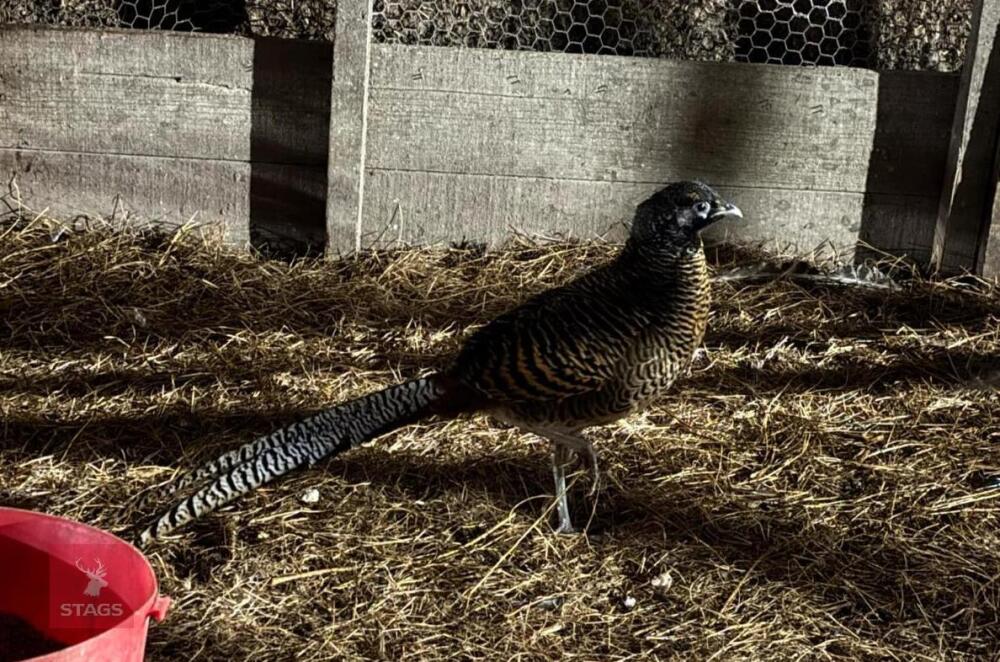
[725, 210]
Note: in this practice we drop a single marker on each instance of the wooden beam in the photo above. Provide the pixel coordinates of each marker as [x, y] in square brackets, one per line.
[348, 125]
[969, 194]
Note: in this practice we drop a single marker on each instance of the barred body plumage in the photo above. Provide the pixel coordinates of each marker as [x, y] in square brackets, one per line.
[580, 355]
[594, 350]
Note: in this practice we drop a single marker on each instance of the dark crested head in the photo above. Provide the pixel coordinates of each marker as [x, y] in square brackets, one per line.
[673, 216]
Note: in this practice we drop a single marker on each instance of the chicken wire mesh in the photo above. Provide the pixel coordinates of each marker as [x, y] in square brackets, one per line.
[804, 32]
[781, 32]
[618, 27]
[883, 34]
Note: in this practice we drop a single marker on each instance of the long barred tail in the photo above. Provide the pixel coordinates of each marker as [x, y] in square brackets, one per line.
[346, 426]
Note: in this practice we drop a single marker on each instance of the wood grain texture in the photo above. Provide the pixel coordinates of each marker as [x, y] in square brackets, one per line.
[604, 118]
[969, 193]
[591, 135]
[126, 92]
[428, 208]
[142, 189]
[348, 125]
[172, 124]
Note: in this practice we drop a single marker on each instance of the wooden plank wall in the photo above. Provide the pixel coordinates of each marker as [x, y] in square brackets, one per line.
[166, 126]
[476, 143]
[463, 143]
[160, 119]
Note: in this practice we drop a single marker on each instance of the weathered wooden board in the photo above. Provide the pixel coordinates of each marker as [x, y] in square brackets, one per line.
[467, 143]
[169, 124]
[969, 196]
[603, 118]
[137, 93]
[140, 188]
[489, 208]
[348, 124]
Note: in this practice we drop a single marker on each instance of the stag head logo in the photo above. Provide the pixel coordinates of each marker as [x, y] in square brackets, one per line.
[96, 577]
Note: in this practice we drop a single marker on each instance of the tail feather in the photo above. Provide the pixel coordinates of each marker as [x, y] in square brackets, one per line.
[233, 458]
[335, 430]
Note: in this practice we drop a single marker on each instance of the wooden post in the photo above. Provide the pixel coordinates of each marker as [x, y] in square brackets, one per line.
[991, 253]
[348, 126]
[969, 202]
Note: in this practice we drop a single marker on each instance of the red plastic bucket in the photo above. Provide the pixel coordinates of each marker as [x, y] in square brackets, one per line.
[80, 586]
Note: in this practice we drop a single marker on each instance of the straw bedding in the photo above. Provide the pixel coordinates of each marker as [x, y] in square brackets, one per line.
[822, 486]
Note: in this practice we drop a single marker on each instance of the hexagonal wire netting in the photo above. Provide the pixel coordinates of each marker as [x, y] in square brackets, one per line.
[599, 26]
[775, 31]
[884, 34]
[804, 32]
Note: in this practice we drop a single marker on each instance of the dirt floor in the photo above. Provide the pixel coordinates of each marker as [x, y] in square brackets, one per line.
[824, 485]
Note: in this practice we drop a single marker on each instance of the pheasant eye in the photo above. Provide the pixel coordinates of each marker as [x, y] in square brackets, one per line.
[702, 208]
